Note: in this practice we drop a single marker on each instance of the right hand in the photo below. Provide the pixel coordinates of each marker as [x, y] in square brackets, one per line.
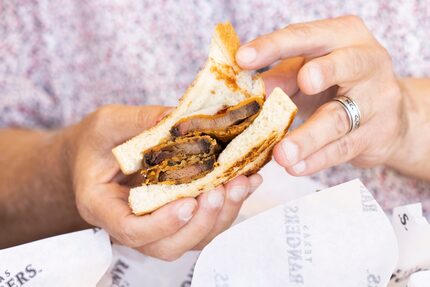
[323, 65]
[101, 192]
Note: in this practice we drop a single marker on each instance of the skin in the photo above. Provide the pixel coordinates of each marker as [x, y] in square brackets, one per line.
[316, 65]
[66, 180]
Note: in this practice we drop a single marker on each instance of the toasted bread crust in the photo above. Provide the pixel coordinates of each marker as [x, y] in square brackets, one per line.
[231, 41]
[268, 128]
[224, 45]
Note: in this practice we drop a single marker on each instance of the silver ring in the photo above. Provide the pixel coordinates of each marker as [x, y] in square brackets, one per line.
[351, 110]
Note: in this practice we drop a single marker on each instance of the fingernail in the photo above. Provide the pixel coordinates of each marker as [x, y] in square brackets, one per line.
[299, 167]
[186, 211]
[290, 151]
[246, 55]
[216, 198]
[315, 77]
[255, 182]
[237, 193]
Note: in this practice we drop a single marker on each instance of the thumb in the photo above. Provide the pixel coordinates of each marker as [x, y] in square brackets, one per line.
[121, 123]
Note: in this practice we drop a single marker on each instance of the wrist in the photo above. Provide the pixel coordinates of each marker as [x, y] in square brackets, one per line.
[59, 150]
[407, 153]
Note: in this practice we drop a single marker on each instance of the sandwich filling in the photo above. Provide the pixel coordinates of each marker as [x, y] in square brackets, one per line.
[195, 142]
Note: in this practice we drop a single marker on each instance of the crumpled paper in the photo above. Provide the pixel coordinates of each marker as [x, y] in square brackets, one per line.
[130, 268]
[336, 237]
[413, 236]
[69, 260]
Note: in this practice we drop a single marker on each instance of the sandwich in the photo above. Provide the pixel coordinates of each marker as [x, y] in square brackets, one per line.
[222, 127]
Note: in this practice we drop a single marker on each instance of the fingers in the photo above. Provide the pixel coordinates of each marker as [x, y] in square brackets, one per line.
[109, 209]
[341, 67]
[237, 190]
[116, 124]
[309, 39]
[255, 181]
[283, 75]
[328, 124]
[337, 152]
[190, 235]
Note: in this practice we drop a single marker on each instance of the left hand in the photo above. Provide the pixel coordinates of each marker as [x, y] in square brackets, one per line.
[320, 60]
[101, 192]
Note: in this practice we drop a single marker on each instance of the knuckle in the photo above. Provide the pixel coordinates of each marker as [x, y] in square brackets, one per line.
[104, 112]
[203, 227]
[167, 227]
[358, 62]
[354, 20]
[172, 257]
[311, 138]
[98, 118]
[301, 30]
[128, 235]
[146, 118]
[356, 24]
[384, 57]
[83, 204]
[166, 254]
[343, 146]
[142, 116]
[340, 121]
[329, 70]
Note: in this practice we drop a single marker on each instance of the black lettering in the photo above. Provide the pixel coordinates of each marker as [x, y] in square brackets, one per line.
[368, 207]
[221, 277]
[7, 273]
[96, 229]
[121, 263]
[295, 229]
[20, 277]
[373, 279]
[120, 267]
[404, 220]
[297, 278]
[31, 271]
[294, 242]
[292, 209]
[294, 255]
[295, 267]
[11, 283]
[116, 279]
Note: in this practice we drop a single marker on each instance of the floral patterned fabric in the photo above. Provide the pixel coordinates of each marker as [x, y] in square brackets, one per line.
[60, 60]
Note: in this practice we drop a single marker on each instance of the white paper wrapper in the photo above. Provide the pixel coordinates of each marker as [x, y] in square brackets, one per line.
[70, 260]
[419, 279]
[130, 268]
[337, 237]
[413, 235]
[344, 240]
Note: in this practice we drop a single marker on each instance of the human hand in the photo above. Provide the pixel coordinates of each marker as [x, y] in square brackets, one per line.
[323, 59]
[101, 193]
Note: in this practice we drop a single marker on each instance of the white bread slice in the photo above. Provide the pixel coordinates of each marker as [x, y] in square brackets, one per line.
[219, 84]
[245, 154]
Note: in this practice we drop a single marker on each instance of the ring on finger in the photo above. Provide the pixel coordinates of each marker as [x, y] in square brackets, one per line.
[352, 111]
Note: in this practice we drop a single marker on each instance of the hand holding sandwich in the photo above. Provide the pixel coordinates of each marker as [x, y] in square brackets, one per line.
[340, 57]
[101, 195]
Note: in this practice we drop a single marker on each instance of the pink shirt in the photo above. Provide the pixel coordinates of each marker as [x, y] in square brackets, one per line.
[60, 60]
